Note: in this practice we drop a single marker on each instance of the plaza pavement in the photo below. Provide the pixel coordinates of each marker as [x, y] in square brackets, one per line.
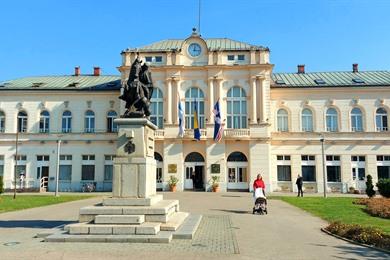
[228, 231]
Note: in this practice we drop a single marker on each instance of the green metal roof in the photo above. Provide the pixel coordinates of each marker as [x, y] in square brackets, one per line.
[331, 79]
[83, 82]
[213, 44]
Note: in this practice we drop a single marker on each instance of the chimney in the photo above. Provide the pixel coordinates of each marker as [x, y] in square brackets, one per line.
[301, 69]
[96, 71]
[77, 71]
[355, 67]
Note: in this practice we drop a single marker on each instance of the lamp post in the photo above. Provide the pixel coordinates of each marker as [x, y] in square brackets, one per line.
[58, 166]
[322, 140]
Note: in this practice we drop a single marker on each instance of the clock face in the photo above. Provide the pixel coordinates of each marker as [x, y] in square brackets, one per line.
[194, 49]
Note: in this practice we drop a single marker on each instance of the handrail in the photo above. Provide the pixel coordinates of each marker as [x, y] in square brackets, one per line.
[43, 183]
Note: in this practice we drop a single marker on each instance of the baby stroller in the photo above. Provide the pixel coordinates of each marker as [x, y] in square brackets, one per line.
[260, 202]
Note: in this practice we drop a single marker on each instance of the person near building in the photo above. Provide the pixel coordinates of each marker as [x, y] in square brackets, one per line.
[21, 178]
[259, 183]
[299, 184]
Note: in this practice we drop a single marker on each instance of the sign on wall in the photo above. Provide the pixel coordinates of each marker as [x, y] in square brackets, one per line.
[215, 168]
[172, 168]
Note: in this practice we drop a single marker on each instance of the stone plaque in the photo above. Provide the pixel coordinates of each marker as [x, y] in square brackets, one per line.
[172, 168]
[215, 168]
[149, 142]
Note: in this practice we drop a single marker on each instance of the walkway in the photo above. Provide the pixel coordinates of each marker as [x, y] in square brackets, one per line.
[228, 231]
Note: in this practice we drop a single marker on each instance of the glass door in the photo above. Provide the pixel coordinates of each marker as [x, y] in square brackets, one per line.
[189, 177]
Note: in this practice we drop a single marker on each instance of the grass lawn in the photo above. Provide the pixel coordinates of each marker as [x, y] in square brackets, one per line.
[338, 209]
[7, 203]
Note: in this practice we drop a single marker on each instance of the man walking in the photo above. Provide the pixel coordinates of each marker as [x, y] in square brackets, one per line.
[299, 184]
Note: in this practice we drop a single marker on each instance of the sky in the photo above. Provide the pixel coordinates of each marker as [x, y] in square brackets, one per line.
[51, 37]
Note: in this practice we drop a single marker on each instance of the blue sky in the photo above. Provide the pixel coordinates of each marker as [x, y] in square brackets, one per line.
[47, 37]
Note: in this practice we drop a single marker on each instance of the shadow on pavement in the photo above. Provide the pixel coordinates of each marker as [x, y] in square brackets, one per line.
[366, 253]
[32, 223]
[234, 211]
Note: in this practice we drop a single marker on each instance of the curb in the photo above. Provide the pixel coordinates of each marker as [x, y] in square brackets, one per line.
[354, 242]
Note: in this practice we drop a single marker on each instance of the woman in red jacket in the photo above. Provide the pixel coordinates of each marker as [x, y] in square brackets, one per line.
[259, 183]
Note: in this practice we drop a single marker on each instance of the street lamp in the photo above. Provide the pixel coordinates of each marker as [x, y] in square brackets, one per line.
[58, 165]
[322, 140]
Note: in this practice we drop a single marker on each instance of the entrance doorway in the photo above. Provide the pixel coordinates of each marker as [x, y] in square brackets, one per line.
[237, 165]
[194, 172]
[43, 171]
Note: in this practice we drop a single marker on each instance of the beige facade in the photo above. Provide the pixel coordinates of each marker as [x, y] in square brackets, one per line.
[258, 137]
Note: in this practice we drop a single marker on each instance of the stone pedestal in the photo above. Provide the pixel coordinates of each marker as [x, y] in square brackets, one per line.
[134, 213]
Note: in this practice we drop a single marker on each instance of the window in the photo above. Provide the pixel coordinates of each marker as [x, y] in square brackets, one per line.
[356, 120]
[44, 122]
[383, 166]
[307, 120]
[236, 108]
[21, 168]
[157, 115]
[282, 120]
[194, 99]
[111, 126]
[148, 58]
[158, 58]
[2, 122]
[241, 57]
[22, 122]
[333, 168]
[320, 81]
[230, 57]
[283, 167]
[381, 120]
[43, 158]
[65, 173]
[159, 159]
[331, 120]
[66, 122]
[308, 168]
[89, 121]
[1, 165]
[88, 168]
[358, 167]
[108, 167]
[237, 164]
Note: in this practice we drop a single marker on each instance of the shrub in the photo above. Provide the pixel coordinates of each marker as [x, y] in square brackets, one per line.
[370, 187]
[173, 181]
[1, 184]
[361, 201]
[384, 187]
[379, 207]
[360, 234]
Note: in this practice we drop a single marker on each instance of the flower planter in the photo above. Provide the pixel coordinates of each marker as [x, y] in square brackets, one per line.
[172, 188]
[215, 188]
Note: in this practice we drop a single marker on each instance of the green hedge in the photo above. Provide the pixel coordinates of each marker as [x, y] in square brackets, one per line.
[384, 187]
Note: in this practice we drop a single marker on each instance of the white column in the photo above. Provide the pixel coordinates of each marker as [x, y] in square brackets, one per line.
[175, 101]
[169, 103]
[263, 102]
[254, 105]
[211, 100]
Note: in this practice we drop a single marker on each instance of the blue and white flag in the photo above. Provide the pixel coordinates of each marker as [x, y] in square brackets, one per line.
[196, 124]
[181, 119]
[218, 127]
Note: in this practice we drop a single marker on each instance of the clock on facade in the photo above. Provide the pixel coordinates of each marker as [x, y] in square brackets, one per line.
[194, 49]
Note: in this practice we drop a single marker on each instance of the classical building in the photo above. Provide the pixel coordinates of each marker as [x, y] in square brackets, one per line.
[273, 123]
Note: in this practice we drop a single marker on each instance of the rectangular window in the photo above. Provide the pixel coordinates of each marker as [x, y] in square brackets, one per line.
[65, 173]
[88, 172]
[158, 58]
[1, 165]
[108, 167]
[309, 173]
[383, 172]
[159, 175]
[230, 57]
[148, 58]
[88, 157]
[65, 157]
[284, 173]
[333, 173]
[241, 57]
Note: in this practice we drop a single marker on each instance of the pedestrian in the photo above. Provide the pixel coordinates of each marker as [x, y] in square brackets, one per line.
[259, 183]
[21, 178]
[299, 184]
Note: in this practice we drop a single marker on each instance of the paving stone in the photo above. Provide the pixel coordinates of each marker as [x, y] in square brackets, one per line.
[119, 219]
[160, 208]
[132, 201]
[123, 230]
[189, 227]
[101, 210]
[174, 222]
[78, 228]
[148, 228]
[100, 229]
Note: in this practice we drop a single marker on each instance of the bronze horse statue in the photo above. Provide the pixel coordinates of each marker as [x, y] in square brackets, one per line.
[138, 91]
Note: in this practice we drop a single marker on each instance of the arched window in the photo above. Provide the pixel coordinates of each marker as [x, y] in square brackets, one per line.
[2, 122]
[282, 120]
[356, 120]
[44, 122]
[331, 120]
[157, 115]
[111, 126]
[307, 120]
[67, 122]
[194, 101]
[237, 157]
[194, 157]
[381, 120]
[236, 108]
[158, 157]
[89, 121]
[22, 122]
[237, 165]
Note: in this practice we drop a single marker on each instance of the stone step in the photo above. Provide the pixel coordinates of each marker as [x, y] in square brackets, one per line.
[188, 229]
[132, 201]
[161, 237]
[119, 219]
[107, 229]
[174, 222]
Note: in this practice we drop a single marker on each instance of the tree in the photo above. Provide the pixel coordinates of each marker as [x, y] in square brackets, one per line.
[369, 187]
[1, 184]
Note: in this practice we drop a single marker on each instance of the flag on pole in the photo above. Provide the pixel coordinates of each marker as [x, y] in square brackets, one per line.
[218, 127]
[181, 119]
[196, 124]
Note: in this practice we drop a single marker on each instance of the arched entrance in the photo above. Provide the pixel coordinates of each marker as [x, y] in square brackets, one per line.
[237, 172]
[159, 171]
[194, 172]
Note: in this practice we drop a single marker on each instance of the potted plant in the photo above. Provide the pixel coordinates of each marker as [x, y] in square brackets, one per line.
[215, 183]
[172, 183]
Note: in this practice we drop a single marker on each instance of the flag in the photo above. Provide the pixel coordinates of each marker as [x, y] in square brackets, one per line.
[196, 124]
[181, 119]
[218, 127]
